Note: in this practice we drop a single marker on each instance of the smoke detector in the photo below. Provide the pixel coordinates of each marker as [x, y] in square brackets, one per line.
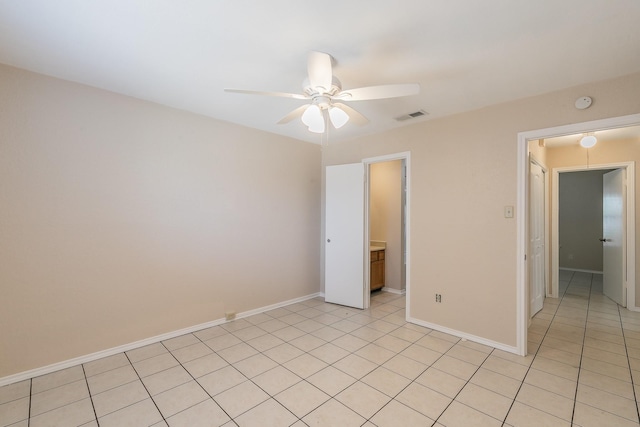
[583, 102]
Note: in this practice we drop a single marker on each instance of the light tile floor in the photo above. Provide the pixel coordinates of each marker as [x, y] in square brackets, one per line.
[318, 364]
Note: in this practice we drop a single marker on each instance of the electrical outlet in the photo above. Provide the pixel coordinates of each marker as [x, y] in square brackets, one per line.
[438, 298]
[230, 315]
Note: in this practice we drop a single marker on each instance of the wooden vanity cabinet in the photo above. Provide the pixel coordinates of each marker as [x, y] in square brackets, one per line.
[376, 274]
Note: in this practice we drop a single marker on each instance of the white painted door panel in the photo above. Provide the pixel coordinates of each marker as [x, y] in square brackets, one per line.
[344, 232]
[613, 230]
[536, 234]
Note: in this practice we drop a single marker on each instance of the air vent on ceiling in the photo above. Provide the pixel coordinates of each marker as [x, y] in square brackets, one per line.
[414, 115]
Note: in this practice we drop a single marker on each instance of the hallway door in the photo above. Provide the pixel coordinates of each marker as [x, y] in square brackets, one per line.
[537, 265]
[613, 239]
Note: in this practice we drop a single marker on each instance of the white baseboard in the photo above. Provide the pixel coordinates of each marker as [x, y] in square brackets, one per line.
[394, 291]
[21, 376]
[464, 335]
[580, 270]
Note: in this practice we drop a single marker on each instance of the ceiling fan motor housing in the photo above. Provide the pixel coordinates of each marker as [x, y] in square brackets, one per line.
[312, 92]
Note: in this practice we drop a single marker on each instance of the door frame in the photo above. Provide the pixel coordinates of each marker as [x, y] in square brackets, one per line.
[522, 220]
[629, 225]
[406, 156]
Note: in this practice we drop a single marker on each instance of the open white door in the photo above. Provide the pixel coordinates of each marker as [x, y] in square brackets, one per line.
[537, 238]
[613, 239]
[344, 244]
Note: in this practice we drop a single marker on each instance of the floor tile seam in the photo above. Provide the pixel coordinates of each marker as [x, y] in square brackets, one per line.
[466, 361]
[60, 385]
[200, 385]
[607, 411]
[93, 406]
[369, 420]
[145, 387]
[614, 395]
[30, 397]
[544, 389]
[146, 358]
[108, 370]
[592, 348]
[635, 396]
[582, 355]
[31, 416]
[466, 382]
[119, 385]
[548, 413]
[125, 407]
[532, 361]
[26, 396]
[284, 406]
[605, 340]
[604, 374]
[510, 377]
[62, 406]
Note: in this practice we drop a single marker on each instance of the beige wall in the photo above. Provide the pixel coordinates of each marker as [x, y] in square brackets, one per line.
[122, 219]
[385, 216]
[580, 220]
[463, 173]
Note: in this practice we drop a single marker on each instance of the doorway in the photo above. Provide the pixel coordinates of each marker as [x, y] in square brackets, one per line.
[620, 257]
[347, 231]
[387, 207]
[522, 220]
[386, 226]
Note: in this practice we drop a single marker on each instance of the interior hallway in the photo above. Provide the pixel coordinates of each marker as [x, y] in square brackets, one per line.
[318, 364]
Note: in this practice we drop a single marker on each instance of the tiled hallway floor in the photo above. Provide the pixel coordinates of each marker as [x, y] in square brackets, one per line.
[317, 364]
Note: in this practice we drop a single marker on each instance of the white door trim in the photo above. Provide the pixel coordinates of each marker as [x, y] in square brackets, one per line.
[522, 219]
[406, 156]
[630, 225]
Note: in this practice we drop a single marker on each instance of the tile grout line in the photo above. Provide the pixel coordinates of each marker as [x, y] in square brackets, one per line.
[536, 354]
[462, 388]
[360, 326]
[204, 389]
[626, 350]
[145, 388]
[413, 381]
[30, 400]
[90, 394]
[584, 336]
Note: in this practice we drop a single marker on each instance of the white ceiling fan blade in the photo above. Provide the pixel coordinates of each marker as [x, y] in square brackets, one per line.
[320, 72]
[354, 116]
[256, 92]
[379, 92]
[293, 115]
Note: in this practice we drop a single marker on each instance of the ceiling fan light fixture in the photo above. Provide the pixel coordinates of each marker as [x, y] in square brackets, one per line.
[338, 117]
[588, 141]
[312, 117]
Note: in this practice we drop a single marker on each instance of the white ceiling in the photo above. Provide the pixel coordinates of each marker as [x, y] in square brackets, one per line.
[183, 53]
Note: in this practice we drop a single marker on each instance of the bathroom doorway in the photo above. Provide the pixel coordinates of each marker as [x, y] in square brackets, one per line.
[387, 224]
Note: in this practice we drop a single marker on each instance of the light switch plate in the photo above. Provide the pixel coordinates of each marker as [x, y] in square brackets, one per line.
[508, 211]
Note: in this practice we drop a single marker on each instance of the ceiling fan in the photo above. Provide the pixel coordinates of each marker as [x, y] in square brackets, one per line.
[327, 96]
